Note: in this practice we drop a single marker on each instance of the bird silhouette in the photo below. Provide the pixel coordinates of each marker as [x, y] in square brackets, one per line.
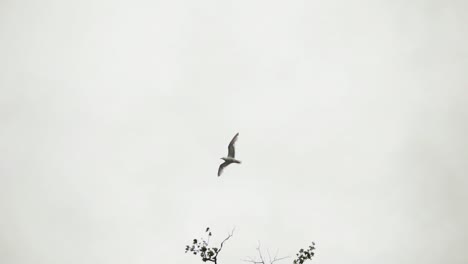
[231, 156]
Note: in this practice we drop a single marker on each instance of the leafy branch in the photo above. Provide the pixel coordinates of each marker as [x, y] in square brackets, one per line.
[304, 255]
[202, 248]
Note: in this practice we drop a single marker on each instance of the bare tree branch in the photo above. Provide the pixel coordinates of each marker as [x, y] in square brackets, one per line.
[260, 253]
[222, 243]
[252, 261]
[215, 257]
[262, 260]
[278, 259]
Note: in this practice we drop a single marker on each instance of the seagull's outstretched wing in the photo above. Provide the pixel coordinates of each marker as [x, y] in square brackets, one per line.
[231, 150]
[222, 166]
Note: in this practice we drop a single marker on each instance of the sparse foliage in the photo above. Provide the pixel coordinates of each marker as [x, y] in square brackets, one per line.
[202, 248]
[305, 254]
[208, 253]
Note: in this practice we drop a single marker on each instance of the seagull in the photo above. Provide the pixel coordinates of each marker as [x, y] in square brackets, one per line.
[231, 154]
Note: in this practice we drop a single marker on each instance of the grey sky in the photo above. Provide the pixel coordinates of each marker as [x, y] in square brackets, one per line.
[352, 118]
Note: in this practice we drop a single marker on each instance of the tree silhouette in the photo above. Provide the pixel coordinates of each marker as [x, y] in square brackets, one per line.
[202, 248]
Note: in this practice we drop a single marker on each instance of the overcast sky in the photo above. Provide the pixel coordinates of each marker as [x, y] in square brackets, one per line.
[352, 118]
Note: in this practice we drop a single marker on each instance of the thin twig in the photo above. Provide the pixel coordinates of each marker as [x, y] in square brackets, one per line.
[260, 253]
[252, 261]
[262, 261]
[277, 259]
[222, 243]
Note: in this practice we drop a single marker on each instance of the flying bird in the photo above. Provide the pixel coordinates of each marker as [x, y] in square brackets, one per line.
[231, 155]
